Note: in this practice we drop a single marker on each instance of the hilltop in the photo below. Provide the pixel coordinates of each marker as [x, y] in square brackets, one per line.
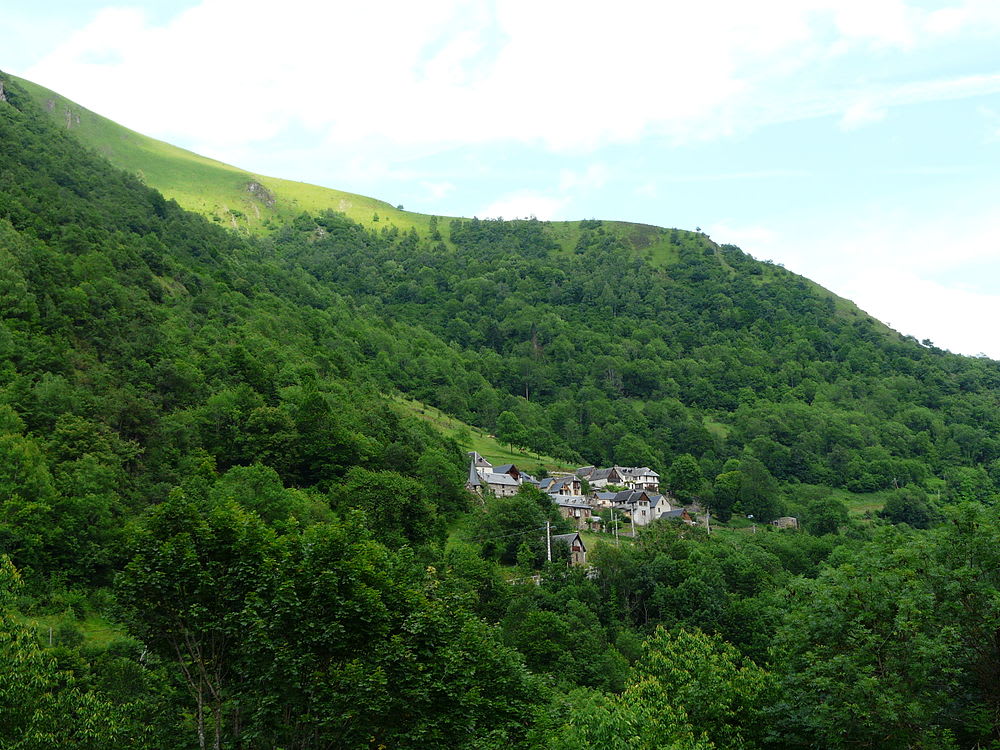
[258, 204]
[255, 203]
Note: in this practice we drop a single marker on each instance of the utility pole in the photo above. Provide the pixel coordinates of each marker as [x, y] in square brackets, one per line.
[708, 528]
[615, 517]
[548, 541]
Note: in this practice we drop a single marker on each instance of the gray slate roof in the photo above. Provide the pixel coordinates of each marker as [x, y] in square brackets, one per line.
[571, 501]
[504, 479]
[630, 497]
[474, 475]
[570, 539]
[479, 461]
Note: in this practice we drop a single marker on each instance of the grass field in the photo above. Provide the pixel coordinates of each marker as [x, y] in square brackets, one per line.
[254, 203]
[474, 439]
[212, 188]
[96, 630]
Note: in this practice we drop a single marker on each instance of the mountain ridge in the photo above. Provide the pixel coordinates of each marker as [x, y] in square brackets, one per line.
[254, 203]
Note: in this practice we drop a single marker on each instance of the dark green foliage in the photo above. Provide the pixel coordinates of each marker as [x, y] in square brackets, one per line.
[899, 635]
[204, 419]
[246, 615]
[684, 478]
[509, 522]
[909, 506]
[395, 507]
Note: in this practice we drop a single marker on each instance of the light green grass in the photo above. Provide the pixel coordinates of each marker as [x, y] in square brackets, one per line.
[858, 503]
[212, 188]
[474, 439]
[594, 539]
[716, 429]
[222, 192]
[96, 630]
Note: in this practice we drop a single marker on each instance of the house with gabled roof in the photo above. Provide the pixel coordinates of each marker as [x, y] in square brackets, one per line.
[640, 478]
[501, 485]
[636, 503]
[603, 477]
[479, 462]
[577, 549]
[484, 477]
[560, 485]
[632, 477]
[679, 514]
[510, 469]
[574, 508]
[659, 505]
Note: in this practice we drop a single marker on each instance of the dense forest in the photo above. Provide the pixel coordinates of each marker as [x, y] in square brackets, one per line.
[199, 452]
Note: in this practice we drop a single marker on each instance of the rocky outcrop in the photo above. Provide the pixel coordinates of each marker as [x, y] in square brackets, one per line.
[261, 193]
[3, 96]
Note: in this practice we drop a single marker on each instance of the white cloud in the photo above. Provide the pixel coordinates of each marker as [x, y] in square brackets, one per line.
[437, 190]
[525, 204]
[593, 177]
[746, 236]
[910, 271]
[758, 174]
[568, 75]
[646, 189]
[953, 318]
[882, 22]
[861, 113]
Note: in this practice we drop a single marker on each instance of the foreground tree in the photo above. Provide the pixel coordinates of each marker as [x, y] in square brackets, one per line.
[42, 707]
[689, 691]
[184, 592]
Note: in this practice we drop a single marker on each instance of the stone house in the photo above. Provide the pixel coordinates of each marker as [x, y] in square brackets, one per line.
[574, 508]
[577, 549]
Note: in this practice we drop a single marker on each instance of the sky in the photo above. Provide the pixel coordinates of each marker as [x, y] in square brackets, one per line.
[856, 142]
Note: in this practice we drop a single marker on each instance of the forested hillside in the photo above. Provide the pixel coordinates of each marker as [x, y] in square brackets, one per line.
[603, 357]
[239, 541]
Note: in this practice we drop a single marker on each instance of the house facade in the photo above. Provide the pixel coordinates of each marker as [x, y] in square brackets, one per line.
[502, 481]
[636, 504]
[574, 508]
[640, 478]
[659, 505]
[577, 549]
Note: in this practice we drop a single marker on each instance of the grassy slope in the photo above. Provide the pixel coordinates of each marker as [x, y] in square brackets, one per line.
[221, 191]
[97, 631]
[474, 439]
[206, 186]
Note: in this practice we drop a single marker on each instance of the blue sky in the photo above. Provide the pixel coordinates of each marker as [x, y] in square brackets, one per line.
[855, 142]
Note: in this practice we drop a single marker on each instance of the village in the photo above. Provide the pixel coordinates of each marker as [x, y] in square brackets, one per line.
[592, 498]
[584, 495]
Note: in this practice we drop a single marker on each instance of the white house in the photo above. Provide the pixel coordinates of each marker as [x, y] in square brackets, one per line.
[640, 478]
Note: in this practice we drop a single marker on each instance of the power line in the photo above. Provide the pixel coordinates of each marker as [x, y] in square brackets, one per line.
[505, 536]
